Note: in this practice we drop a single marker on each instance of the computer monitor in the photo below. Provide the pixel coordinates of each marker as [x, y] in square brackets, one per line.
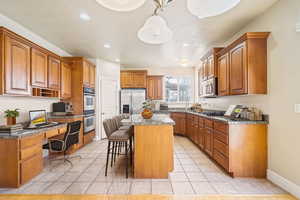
[37, 117]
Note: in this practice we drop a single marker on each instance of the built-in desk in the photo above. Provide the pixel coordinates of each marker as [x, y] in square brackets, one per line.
[21, 154]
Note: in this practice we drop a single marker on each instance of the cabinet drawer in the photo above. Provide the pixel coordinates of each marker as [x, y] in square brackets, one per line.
[221, 147]
[208, 123]
[31, 141]
[201, 122]
[62, 130]
[222, 127]
[190, 116]
[223, 137]
[30, 151]
[52, 133]
[31, 168]
[221, 159]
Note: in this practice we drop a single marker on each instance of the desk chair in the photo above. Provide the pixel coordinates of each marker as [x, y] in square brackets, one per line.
[71, 137]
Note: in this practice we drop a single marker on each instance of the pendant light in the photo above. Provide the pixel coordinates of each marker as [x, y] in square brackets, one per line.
[155, 29]
[121, 5]
[209, 8]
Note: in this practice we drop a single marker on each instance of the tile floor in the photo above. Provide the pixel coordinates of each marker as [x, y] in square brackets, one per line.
[194, 173]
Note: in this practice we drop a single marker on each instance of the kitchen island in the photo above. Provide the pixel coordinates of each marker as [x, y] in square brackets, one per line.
[153, 146]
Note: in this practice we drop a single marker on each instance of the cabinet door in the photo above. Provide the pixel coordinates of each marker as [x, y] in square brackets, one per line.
[53, 73]
[39, 69]
[223, 75]
[92, 76]
[182, 124]
[159, 88]
[86, 74]
[126, 79]
[17, 67]
[139, 80]
[238, 70]
[151, 88]
[210, 67]
[208, 141]
[66, 81]
[201, 134]
[31, 168]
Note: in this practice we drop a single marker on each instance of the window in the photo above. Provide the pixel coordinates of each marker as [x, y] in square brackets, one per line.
[178, 89]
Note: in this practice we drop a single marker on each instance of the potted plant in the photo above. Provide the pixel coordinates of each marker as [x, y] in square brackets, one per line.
[147, 112]
[11, 116]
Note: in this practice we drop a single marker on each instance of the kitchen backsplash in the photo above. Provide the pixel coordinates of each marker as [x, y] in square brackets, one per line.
[25, 104]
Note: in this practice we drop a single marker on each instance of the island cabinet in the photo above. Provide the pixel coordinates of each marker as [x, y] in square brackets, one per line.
[155, 87]
[180, 123]
[133, 79]
[242, 66]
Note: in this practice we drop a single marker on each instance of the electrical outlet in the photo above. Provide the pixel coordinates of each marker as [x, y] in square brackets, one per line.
[297, 108]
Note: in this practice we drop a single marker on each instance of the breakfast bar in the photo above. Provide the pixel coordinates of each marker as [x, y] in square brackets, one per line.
[153, 146]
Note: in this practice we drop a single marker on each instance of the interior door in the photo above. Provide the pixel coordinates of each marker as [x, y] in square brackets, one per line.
[110, 99]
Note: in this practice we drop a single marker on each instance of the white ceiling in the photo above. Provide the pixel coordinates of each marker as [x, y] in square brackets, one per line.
[58, 22]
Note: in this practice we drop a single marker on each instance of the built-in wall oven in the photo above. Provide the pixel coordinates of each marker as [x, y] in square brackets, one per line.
[89, 110]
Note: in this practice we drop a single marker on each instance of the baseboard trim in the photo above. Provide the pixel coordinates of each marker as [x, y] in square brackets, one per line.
[289, 186]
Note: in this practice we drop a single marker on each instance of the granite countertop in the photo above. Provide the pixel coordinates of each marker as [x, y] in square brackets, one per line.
[218, 118]
[157, 119]
[50, 116]
[30, 132]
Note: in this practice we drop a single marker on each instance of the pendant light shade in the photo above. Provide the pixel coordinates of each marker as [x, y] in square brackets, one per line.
[121, 5]
[209, 8]
[155, 31]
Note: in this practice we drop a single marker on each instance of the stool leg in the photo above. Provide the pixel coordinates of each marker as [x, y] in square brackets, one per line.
[107, 157]
[112, 154]
[116, 151]
[126, 155]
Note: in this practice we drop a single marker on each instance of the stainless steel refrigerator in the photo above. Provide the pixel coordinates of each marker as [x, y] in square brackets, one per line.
[131, 101]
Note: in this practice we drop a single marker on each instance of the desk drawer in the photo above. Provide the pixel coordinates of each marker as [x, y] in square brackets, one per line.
[31, 141]
[30, 151]
[52, 133]
[62, 130]
[31, 168]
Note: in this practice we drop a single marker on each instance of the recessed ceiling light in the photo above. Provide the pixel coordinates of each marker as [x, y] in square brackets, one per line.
[117, 60]
[107, 46]
[85, 17]
[186, 44]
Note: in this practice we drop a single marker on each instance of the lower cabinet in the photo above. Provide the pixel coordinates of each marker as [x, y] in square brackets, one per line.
[240, 149]
[89, 137]
[180, 123]
[31, 167]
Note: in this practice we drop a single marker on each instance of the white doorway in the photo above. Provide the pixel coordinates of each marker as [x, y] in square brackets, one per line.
[109, 101]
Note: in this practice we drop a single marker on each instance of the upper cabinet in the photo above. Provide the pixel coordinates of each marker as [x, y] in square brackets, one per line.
[15, 65]
[53, 73]
[133, 79]
[39, 68]
[155, 87]
[242, 66]
[66, 81]
[209, 64]
[89, 72]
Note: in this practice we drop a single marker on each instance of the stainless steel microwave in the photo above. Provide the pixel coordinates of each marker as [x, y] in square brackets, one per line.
[209, 88]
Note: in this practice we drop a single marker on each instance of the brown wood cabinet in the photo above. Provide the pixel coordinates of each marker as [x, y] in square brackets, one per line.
[209, 67]
[242, 65]
[16, 67]
[53, 73]
[92, 76]
[155, 87]
[133, 79]
[180, 123]
[240, 149]
[89, 74]
[39, 68]
[66, 81]
[223, 75]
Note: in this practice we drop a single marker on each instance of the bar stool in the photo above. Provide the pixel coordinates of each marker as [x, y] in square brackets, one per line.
[116, 137]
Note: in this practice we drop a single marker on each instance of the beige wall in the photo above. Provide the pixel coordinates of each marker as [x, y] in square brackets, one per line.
[26, 103]
[284, 87]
